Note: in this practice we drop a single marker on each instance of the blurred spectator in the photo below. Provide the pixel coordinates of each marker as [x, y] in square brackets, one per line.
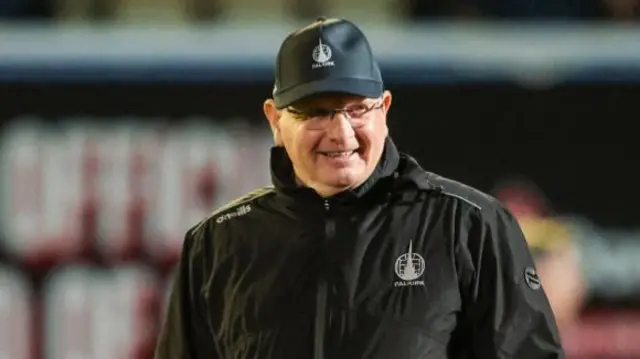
[580, 263]
[553, 246]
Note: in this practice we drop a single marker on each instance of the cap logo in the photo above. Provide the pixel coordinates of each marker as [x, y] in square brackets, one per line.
[322, 56]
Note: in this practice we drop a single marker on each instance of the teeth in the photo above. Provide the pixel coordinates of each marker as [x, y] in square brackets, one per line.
[339, 154]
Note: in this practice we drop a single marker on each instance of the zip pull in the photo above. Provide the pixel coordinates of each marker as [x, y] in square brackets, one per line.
[327, 206]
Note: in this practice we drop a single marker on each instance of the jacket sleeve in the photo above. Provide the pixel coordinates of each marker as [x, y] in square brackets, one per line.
[185, 334]
[505, 307]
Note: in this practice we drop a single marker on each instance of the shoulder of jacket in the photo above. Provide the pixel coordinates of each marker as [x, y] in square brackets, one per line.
[238, 207]
[200, 236]
[460, 191]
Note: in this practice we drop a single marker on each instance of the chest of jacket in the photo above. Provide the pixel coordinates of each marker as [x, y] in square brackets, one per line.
[368, 282]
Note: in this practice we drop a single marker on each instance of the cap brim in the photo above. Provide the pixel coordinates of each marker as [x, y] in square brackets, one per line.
[351, 86]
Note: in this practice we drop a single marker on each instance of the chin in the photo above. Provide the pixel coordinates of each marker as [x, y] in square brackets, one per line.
[346, 178]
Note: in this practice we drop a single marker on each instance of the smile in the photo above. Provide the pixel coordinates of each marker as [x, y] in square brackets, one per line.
[338, 154]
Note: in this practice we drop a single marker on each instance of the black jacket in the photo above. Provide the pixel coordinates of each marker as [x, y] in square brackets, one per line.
[285, 274]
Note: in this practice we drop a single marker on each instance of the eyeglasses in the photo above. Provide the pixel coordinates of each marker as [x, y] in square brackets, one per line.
[320, 118]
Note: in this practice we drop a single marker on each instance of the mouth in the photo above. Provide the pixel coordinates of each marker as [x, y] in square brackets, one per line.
[339, 154]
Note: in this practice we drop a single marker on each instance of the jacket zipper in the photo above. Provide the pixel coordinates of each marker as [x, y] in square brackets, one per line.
[321, 298]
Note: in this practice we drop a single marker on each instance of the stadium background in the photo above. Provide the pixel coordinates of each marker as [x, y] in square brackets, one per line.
[125, 123]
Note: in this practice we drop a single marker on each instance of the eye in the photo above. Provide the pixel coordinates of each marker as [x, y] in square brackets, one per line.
[356, 110]
[297, 114]
[319, 113]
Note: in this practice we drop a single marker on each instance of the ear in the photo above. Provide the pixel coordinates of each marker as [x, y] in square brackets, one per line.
[386, 101]
[273, 115]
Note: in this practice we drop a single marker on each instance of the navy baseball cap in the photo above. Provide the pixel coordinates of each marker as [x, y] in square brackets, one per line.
[328, 56]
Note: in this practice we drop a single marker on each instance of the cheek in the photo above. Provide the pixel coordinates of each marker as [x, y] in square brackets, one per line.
[302, 144]
[308, 141]
[372, 137]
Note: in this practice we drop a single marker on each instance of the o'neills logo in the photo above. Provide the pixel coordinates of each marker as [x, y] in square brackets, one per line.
[240, 211]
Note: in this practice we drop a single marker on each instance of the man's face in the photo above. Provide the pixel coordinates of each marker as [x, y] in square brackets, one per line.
[332, 153]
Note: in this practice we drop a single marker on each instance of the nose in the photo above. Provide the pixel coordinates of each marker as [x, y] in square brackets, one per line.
[340, 128]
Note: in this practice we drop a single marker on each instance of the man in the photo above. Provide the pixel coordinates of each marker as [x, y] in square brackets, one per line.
[356, 251]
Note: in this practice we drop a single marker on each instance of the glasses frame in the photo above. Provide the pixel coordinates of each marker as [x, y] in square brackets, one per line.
[325, 114]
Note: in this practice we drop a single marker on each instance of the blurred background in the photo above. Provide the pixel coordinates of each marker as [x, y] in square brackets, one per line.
[124, 122]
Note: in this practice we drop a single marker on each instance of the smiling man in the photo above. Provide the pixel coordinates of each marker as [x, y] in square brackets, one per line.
[355, 252]
[334, 150]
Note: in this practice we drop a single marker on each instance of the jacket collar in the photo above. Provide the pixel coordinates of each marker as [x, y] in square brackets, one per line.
[283, 177]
